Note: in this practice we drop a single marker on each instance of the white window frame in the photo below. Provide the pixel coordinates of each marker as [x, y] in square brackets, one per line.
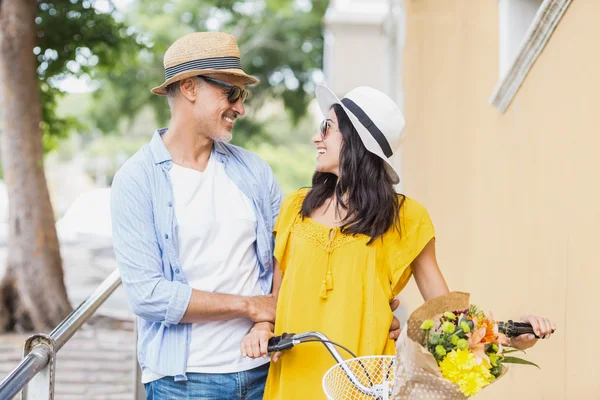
[545, 21]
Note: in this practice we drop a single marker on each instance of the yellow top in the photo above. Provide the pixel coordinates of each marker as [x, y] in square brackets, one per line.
[337, 285]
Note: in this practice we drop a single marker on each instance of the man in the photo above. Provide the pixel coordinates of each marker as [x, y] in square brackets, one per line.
[192, 222]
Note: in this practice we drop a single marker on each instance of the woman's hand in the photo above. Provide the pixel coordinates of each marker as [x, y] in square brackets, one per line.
[255, 343]
[542, 327]
[395, 326]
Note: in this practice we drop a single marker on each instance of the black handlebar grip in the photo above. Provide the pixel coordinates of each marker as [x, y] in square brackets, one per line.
[280, 343]
[512, 329]
[273, 342]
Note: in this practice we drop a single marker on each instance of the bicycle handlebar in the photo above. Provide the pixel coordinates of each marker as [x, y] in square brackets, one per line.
[513, 329]
[288, 340]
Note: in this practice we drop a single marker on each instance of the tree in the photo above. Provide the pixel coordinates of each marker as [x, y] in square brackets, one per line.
[66, 38]
[34, 265]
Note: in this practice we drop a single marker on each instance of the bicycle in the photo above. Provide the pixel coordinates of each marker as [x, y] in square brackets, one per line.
[366, 377]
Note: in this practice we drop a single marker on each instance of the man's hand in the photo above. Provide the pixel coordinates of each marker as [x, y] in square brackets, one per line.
[261, 308]
[255, 343]
[395, 327]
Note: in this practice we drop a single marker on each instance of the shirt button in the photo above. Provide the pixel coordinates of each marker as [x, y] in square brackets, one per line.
[170, 204]
[166, 236]
[177, 271]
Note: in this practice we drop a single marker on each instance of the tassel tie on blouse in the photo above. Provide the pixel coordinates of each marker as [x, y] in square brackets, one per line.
[327, 283]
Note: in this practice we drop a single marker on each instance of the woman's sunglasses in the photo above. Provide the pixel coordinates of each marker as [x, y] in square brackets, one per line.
[234, 93]
[324, 129]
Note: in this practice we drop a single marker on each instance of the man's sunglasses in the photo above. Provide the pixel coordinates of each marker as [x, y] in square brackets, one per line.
[234, 93]
[324, 129]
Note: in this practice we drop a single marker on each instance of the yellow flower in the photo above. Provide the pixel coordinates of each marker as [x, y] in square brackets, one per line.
[460, 367]
[471, 383]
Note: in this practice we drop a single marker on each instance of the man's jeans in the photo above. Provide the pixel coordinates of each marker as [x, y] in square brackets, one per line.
[245, 385]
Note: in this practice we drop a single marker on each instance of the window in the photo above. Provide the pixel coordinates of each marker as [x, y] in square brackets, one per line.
[525, 26]
[515, 18]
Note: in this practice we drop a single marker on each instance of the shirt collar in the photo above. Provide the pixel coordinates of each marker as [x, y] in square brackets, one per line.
[161, 154]
[159, 151]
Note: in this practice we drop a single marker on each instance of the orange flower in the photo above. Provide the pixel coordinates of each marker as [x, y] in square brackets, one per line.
[492, 335]
[485, 331]
[491, 330]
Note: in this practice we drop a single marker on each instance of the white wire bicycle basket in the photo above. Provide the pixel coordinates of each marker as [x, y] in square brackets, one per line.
[369, 378]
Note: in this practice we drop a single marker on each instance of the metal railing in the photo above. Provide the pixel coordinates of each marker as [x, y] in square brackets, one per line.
[39, 356]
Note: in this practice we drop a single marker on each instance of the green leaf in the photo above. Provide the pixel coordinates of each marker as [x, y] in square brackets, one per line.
[516, 360]
[513, 351]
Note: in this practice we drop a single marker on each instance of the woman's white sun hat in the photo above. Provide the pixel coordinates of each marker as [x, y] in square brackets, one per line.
[377, 119]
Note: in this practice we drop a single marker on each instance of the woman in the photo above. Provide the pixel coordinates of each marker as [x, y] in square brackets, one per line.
[347, 246]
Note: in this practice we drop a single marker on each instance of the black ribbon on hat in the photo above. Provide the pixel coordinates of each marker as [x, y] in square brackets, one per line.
[364, 119]
[205, 63]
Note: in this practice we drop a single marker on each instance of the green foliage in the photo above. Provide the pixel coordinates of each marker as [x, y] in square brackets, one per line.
[73, 39]
[291, 164]
[54, 127]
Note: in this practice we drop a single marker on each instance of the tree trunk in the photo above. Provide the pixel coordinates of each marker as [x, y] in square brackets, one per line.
[32, 294]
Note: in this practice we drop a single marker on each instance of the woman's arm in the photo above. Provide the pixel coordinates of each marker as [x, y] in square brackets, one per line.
[428, 276]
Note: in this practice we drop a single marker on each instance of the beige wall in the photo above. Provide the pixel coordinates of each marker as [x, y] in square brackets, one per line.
[515, 196]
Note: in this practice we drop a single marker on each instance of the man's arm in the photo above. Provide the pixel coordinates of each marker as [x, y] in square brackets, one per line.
[150, 294]
[205, 306]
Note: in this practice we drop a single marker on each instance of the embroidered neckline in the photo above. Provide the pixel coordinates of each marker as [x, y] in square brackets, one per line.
[320, 235]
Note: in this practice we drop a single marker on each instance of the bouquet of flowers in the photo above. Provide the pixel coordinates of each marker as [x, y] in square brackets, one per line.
[450, 349]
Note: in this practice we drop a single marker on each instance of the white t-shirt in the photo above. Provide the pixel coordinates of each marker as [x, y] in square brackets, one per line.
[216, 235]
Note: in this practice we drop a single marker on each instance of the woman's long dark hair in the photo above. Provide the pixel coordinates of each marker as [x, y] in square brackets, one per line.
[364, 188]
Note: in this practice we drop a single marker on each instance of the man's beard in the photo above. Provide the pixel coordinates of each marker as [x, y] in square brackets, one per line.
[222, 138]
[225, 135]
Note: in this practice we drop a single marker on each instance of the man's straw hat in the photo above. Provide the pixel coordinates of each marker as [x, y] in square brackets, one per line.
[202, 53]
